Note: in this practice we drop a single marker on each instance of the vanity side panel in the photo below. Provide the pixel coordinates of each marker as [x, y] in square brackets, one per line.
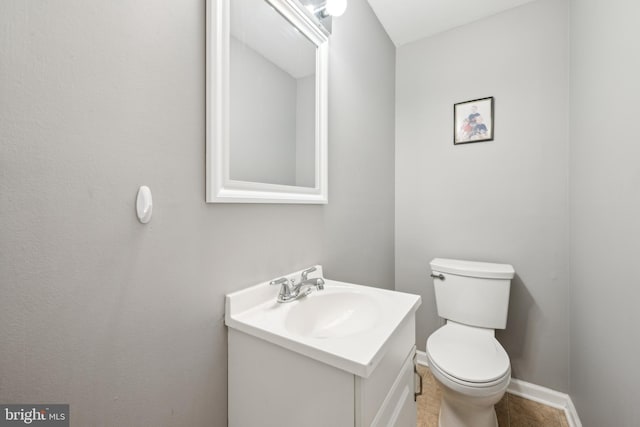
[273, 387]
[371, 392]
[399, 408]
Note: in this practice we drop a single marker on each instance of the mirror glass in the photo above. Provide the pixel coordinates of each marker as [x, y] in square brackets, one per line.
[272, 98]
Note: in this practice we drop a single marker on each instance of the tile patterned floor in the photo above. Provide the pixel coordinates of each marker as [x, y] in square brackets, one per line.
[512, 411]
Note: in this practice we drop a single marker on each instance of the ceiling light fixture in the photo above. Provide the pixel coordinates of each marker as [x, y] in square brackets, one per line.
[335, 7]
[324, 10]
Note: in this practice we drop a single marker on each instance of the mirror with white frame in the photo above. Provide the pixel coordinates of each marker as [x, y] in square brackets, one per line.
[266, 103]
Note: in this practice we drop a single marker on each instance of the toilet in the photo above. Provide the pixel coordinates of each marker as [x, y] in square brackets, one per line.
[463, 355]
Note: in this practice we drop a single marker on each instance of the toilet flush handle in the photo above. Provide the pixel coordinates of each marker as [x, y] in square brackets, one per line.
[438, 276]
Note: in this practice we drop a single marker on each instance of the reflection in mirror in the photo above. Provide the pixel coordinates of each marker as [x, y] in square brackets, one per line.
[272, 82]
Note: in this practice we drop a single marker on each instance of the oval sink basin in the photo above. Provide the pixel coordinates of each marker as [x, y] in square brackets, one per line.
[326, 314]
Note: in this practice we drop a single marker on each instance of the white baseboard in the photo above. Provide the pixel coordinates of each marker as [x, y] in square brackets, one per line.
[421, 358]
[572, 414]
[534, 392]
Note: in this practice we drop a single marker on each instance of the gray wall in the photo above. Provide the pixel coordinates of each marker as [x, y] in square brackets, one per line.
[124, 321]
[359, 243]
[499, 201]
[605, 209]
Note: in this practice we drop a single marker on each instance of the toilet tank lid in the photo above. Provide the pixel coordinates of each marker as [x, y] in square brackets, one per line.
[486, 270]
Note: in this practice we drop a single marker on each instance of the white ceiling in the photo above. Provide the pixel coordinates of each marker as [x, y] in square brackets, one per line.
[409, 20]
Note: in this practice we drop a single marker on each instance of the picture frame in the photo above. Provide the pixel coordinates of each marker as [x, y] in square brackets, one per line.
[473, 121]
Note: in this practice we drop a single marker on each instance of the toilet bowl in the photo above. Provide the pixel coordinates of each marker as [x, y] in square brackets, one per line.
[464, 356]
[473, 370]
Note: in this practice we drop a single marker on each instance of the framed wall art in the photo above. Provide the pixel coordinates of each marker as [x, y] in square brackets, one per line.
[473, 121]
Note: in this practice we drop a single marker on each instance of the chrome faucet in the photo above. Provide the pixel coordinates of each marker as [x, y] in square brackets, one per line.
[291, 291]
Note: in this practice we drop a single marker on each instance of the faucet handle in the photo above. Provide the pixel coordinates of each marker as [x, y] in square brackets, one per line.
[306, 272]
[280, 281]
[285, 289]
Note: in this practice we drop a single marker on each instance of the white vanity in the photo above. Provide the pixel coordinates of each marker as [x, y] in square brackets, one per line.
[340, 356]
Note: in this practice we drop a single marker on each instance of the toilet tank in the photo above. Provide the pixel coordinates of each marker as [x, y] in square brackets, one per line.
[473, 293]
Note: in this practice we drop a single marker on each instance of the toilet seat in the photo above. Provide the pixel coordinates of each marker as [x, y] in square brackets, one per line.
[469, 356]
[468, 388]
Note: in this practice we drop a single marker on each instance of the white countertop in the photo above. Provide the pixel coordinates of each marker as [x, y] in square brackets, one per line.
[256, 312]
